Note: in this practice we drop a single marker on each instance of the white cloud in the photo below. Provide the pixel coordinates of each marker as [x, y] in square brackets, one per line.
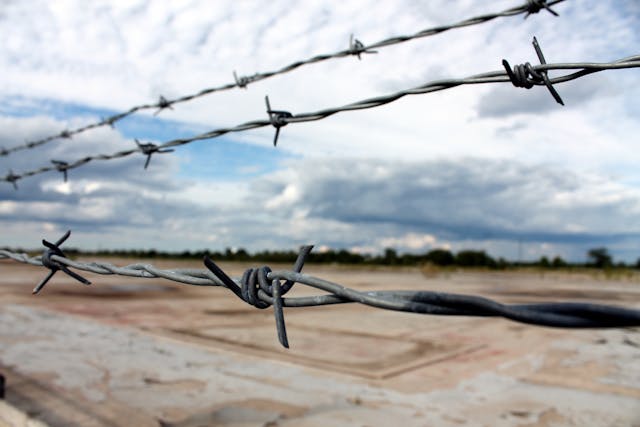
[115, 54]
[411, 241]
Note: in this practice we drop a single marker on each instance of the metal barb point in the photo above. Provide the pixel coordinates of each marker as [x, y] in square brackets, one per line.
[65, 134]
[535, 6]
[12, 179]
[163, 103]
[257, 283]
[61, 167]
[278, 119]
[149, 148]
[526, 76]
[53, 266]
[4, 152]
[356, 47]
[109, 121]
[257, 290]
[241, 81]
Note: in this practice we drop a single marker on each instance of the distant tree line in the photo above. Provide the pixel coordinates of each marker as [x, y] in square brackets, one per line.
[596, 258]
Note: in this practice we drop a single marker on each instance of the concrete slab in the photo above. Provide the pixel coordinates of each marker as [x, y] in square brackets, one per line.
[150, 353]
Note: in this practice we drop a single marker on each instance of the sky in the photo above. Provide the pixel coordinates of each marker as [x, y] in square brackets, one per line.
[487, 167]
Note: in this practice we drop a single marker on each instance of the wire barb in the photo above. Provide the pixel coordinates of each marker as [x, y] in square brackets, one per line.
[278, 119]
[149, 148]
[281, 118]
[108, 121]
[262, 287]
[535, 6]
[524, 75]
[61, 167]
[12, 178]
[163, 103]
[241, 81]
[528, 7]
[4, 152]
[256, 290]
[357, 48]
[54, 266]
[65, 134]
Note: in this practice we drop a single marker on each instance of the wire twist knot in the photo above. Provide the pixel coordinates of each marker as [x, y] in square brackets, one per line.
[163, 103]
[526, 76]
[535, 6]
[12, 178]
[255, 279]
[61, 167]
[109, 121]
[278, 119]
[149, 148]
[357, 48]
[242, 81]
[53, 266]
[259, 291]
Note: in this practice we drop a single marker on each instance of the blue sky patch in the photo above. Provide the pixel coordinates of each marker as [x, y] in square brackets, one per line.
[225, 159]
[222, 158]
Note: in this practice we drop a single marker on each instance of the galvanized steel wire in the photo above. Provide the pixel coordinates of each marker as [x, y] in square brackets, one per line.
[355, 48]
[532, 75]
[261, 287]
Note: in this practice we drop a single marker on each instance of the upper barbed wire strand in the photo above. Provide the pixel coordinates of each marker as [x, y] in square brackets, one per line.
[584, 68]
[241, 82]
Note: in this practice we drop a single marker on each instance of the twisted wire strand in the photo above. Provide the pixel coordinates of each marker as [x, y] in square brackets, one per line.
[583, 69]
[187, 276]
[263, 295]
[526, 8]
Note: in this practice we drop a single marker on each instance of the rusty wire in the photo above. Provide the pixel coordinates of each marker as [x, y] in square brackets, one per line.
[526, 76]
[356, 48]
[261, 287]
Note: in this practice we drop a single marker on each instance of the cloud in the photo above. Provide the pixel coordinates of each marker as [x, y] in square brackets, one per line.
[378, 202]
[98, 198]
[462, 167]
[355, 203]
[504, 101]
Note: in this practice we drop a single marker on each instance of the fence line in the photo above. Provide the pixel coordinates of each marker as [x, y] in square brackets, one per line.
[261, 287]
[525, 76]
[356, 48]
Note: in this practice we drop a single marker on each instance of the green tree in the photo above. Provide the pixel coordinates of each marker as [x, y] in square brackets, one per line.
[599, 258]
[440, 257]
[390, 256]
[558, 262]
[470, 258]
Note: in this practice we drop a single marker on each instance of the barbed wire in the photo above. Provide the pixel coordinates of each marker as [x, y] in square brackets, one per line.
[356, 48]
[525, 76]
[261, 287]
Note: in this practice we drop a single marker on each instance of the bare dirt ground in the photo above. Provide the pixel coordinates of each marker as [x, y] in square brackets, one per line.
[141, 352]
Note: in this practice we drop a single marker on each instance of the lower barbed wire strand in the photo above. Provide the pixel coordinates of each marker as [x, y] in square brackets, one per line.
[197, 277]
[556, 314]
[569, 315]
